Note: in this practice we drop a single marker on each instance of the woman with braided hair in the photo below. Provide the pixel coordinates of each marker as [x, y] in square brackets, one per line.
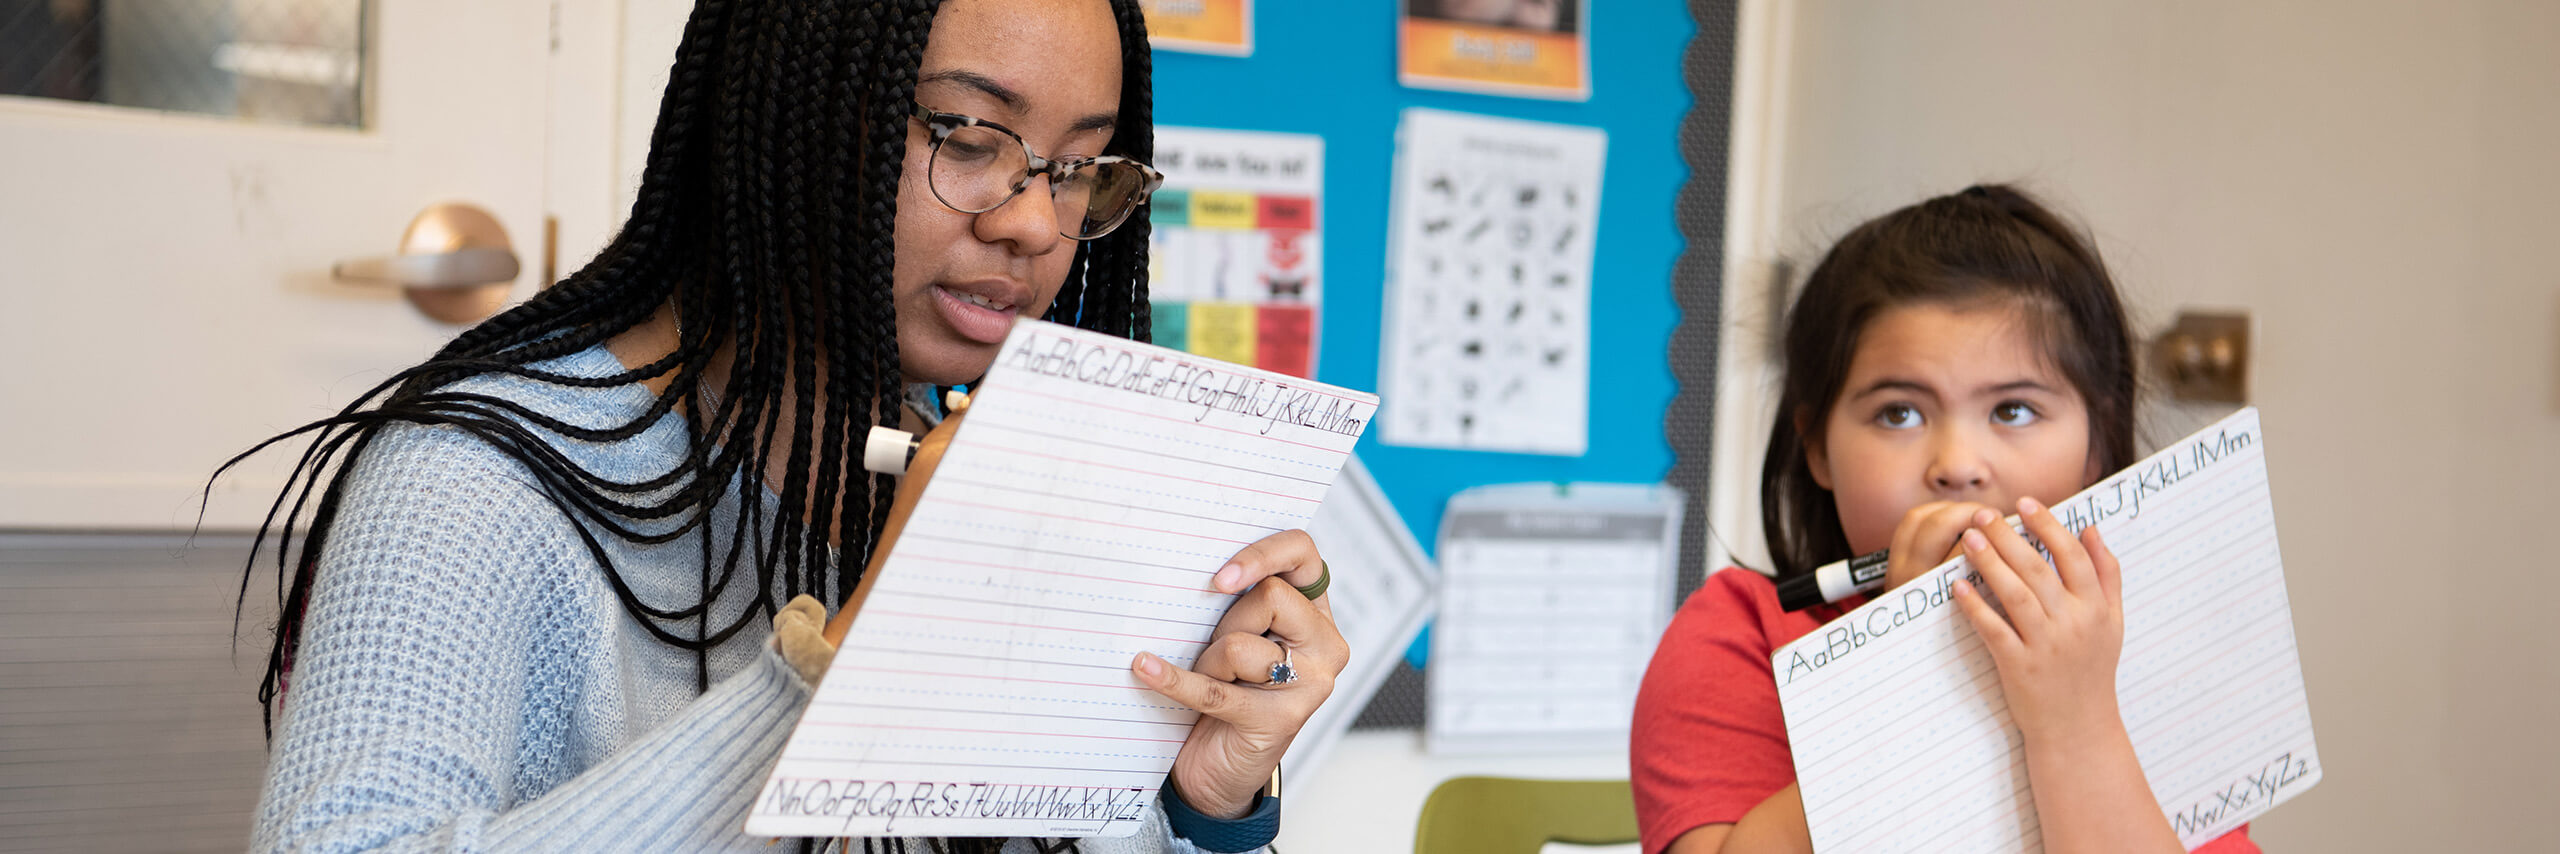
[540, 600]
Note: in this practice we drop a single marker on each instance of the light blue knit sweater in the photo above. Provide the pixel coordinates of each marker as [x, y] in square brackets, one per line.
[468, 680]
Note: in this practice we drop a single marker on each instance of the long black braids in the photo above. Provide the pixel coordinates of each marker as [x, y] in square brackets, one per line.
[1121, 257]
[764, 220]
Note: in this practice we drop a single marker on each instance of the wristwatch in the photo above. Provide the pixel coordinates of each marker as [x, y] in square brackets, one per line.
[1253, 830]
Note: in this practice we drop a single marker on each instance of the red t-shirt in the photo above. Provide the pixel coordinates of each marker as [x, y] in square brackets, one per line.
[1710, 741]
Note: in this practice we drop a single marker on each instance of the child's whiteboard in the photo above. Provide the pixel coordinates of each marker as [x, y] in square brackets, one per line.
[1900, 731]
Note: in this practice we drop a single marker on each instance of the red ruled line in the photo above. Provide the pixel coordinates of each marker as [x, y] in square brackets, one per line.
[1009, 568]
[1029, 626]
[1020, 511]
[1082, 462]
[858, 725]
[939, 674]
[804, 778]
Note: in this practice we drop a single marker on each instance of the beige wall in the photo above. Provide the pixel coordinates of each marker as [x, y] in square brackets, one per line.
[2378, 184]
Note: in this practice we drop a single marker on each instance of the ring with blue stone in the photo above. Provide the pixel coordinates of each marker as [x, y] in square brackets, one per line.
[1283, 671]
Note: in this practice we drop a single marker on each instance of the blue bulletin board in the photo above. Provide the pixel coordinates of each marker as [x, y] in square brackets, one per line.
[1330, 69]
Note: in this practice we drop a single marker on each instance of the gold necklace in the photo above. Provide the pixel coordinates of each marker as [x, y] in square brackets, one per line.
[706, 399]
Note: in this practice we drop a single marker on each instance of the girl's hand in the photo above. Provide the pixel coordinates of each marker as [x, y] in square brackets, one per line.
[1246, 721]
[1927, 538]
[2057, 650]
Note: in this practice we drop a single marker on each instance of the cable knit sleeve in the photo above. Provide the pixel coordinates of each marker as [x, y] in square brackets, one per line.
[448, 691]
[435, 697]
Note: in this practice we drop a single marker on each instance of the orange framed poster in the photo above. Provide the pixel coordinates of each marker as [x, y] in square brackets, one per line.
[1223, 27]
[1527, 48]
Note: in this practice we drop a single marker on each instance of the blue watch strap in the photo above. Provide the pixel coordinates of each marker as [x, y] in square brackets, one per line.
[1254, 830]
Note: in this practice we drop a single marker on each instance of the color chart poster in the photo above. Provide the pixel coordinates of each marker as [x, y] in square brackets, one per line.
[1235, 261]
[1223, 27]
[1529, 48]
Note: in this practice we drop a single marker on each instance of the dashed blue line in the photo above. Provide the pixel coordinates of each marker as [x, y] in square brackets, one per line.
[1055, 535]
[1018, 697]
[1086, 595]
[1128, 488]
[1183, 658]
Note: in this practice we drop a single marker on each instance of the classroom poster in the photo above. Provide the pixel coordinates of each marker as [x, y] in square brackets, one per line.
[1488, 309]
[1223, 27]
[1235, 258]
[1530, 48]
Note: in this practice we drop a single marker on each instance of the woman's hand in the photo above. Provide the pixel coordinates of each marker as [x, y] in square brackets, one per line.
[2057, 650]
[1927, 537]
[1246, 721]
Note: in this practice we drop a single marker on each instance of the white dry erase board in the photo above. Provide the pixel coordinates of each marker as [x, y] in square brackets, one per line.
[1552, 599]
[1074, 521]
[1902, 738]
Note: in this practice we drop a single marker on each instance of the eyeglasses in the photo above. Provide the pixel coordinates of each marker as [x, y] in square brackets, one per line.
[979, 165]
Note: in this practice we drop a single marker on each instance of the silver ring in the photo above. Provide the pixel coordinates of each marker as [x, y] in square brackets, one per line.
[1283, 671]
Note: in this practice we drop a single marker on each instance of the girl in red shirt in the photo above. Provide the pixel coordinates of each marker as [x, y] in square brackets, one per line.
[1948, 364]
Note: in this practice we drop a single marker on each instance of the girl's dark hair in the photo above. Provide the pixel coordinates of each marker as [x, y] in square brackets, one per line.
[1988, 243]
[764, 218]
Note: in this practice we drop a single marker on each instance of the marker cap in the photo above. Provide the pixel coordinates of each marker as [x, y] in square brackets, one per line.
[887, 450]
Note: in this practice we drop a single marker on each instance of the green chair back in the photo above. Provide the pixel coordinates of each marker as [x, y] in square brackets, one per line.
[1503, 815]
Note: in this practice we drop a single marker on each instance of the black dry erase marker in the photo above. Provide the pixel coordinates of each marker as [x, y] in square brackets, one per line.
[1833, 582]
